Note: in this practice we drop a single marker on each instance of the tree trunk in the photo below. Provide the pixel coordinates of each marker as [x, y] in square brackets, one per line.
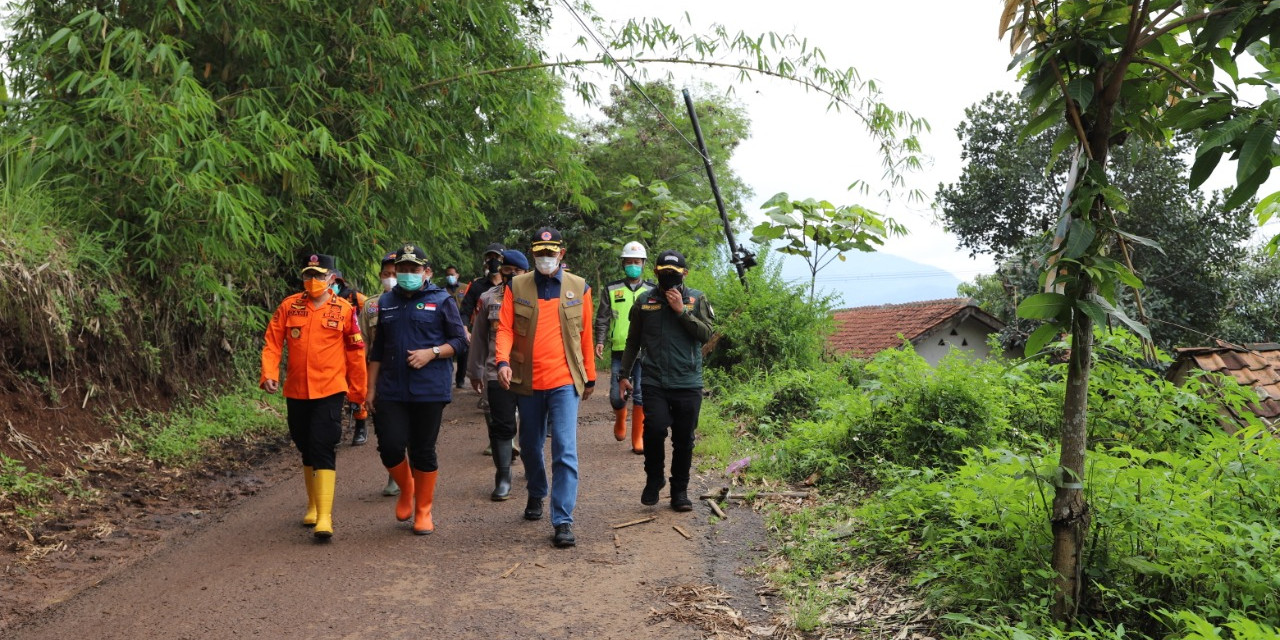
[1070, 518]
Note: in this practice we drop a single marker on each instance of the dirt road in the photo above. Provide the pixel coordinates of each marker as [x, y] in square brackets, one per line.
[252, 571]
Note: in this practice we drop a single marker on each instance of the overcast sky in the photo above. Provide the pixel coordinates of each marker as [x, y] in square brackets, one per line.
[932, 58]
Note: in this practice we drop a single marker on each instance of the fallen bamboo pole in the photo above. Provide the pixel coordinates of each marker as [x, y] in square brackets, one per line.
[635, 522]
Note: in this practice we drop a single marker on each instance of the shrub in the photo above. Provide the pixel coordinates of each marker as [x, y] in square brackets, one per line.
[926, 417]
[1131, 403]
[769, 327]
[1170, 531]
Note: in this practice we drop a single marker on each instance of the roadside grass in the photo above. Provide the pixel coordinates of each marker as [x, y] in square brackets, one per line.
[183, 436]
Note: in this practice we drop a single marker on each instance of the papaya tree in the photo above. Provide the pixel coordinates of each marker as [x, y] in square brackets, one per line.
[1109, 71]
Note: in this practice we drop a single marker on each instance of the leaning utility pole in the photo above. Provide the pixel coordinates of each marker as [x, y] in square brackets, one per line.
[741, 258]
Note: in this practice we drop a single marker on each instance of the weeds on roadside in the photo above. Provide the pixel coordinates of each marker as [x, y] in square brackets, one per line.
[180, 437]
[25, 490]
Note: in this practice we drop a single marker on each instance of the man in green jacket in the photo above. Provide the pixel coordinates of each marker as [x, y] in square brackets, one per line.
[668, 328]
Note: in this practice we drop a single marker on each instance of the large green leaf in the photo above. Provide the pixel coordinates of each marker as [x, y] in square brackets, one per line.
[1225, 133]
[1079, 238]
[1118, 314]
[1036, 342]
[1081, 90]
[1204, 166]
[1248, 187]
[1093, 310]
[1044, 306]
[1256, 151]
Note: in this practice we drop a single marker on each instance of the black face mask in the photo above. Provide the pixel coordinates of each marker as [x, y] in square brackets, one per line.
[669, 280]
[493, 265]
[506, 278]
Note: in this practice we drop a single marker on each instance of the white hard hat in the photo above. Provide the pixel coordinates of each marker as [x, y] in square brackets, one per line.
[634, 250]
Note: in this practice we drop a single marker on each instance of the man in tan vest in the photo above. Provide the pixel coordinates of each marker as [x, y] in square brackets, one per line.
[543, 350]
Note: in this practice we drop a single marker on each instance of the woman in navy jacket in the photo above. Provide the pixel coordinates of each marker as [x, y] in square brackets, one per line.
[411, 380]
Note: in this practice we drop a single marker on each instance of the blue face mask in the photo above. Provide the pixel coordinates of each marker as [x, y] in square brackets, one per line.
[409, 281]
[452, 280]
[335, 288]
[633, 270]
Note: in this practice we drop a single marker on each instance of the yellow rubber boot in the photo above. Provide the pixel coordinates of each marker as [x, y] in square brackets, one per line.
[404, 479]
[637, 429]
[324, 502]
[424, 490]
[620, 424]
[308, 475]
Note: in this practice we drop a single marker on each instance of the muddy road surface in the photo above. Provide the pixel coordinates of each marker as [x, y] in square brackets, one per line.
[250, 570]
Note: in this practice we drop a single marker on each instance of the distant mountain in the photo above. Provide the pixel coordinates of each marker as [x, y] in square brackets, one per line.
[874, 278]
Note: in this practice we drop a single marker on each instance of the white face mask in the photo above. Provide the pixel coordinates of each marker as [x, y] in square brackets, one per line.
[546, 264]
[388, 284]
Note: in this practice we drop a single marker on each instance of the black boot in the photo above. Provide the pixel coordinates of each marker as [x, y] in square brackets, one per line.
[361, 435]
[649, 496]
[680, 495]
[502, 469]
[533, 509]
[680, 501]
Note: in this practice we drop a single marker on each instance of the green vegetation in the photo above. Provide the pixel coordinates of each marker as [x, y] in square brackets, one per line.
[767, 325]
[24, 490]
[944, 476]
[184, 436]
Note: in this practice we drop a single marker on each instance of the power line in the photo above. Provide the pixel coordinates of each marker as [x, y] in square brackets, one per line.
[604, 49]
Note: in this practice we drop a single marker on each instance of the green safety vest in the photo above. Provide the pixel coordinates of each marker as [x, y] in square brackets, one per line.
[621, 298]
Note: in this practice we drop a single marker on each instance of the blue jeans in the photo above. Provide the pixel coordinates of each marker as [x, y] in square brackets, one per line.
[615, 399]
[555, 410]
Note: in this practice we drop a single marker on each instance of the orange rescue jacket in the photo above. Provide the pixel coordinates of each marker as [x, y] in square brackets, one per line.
[326, 350]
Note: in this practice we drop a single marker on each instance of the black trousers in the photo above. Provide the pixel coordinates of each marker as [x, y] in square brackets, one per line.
[677, 410]
[414, 426]
[502, 411]
[460, 367]
[315, 426]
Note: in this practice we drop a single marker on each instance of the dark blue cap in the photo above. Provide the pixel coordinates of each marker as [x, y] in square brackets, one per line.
[513, 258]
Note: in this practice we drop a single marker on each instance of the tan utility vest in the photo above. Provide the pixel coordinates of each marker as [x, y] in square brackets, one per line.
[524, 307]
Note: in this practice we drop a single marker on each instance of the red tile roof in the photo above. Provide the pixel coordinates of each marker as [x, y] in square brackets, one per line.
[865, 331]
[1254, 365]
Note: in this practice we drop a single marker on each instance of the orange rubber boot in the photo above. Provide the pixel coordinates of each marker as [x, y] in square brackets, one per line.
[309, 476]
[324, 502]
[403, 476]
[637, 429]
[424, 489]
[620, 424]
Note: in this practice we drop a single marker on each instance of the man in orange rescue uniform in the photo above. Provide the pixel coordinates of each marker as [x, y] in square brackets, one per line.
[325, 366]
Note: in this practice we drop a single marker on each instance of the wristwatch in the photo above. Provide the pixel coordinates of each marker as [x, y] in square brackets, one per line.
[435, 350]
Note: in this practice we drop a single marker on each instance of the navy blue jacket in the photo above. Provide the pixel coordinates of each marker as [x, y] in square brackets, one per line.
[409, 320]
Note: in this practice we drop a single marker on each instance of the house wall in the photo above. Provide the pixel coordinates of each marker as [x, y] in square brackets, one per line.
[970, 335]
